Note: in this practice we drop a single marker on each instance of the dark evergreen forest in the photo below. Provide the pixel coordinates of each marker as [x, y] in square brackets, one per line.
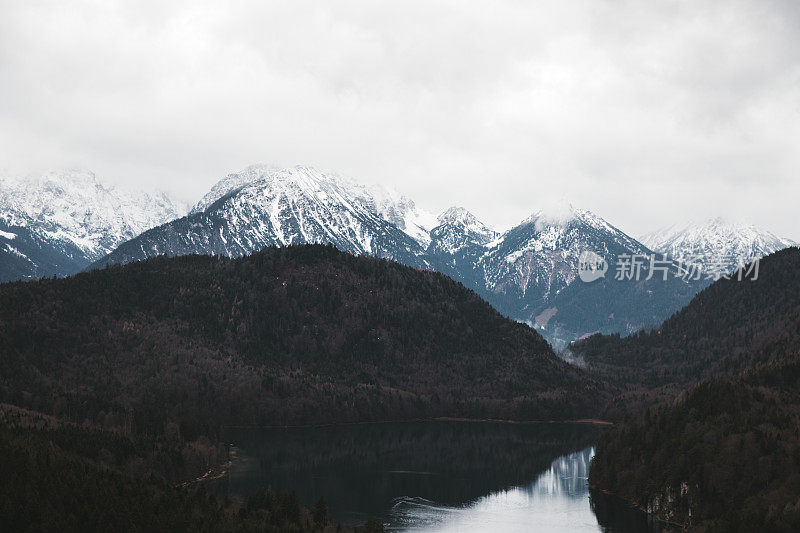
[714, 443]
[286, 336]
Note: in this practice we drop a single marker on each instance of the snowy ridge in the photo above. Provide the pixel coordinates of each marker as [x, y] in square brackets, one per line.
[74, 207]
[530, 273]
[387, 203]
[456, 245]
[233, 182]
[540, 255]
[562, 230]
[264, 206]
[300, 205]
[58, 223]
[523, 272]
[460, 217]
[715, 243]
[458, 229]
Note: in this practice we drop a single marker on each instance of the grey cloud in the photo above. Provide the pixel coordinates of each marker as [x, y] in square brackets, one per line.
[642, 112]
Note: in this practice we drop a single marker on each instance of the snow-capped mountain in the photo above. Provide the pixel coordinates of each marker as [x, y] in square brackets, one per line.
[715, 245]
[263, 206]
[387, 203]
[458, 229]
[58, 222]
[530, 273]
[535, 260]
[457, 243]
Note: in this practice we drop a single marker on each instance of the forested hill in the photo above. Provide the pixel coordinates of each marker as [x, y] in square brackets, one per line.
[290, 335]
[722, 456]
[727, 328]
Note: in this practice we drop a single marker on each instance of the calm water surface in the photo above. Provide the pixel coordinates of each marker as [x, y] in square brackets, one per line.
[437, 476]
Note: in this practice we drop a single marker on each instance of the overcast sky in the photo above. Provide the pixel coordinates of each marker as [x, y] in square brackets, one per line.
[644, 112]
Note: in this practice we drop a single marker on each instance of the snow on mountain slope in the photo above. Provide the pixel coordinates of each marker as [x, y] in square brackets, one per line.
[457, 229]
[403, 213]
[530, 273]
[74, 206]
[63, 220]
[715, 243]
[233, 182]
[262, 206]
[388, 203]
[457, 243]
[539, 257]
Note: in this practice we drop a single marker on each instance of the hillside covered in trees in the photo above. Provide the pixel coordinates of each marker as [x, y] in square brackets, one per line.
[723, 455]
[286, 336]
[728, 328]
[60, 476]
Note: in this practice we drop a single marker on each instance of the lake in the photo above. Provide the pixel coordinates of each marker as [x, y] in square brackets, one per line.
[437, 475]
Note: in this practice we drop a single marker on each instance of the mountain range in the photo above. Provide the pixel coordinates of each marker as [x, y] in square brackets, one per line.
[57, 223]
[523, 272]
[529, 273]
[264, 206]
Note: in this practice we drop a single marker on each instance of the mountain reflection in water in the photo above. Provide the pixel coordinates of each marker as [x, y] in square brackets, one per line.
[557, 501]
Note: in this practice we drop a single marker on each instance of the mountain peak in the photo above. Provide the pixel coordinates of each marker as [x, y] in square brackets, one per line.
[56, 181]
[458, 242]
[539, 257]
[716, 241]
[232, 182]
[564, 214]
[466, 222]
[457, 215]
[75, 199]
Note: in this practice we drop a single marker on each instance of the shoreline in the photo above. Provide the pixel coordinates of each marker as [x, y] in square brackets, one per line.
[639, 508]
[588, 421]
[211, 474]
